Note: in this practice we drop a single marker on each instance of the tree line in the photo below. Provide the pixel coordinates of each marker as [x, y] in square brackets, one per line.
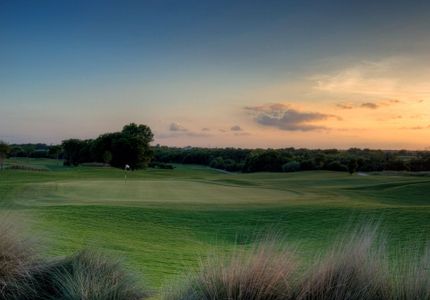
[292, 160]
[132, 146]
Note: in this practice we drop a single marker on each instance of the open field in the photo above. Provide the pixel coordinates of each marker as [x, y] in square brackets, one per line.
[161, 221]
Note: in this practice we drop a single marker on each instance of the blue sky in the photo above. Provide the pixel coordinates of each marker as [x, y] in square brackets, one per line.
[80, 68]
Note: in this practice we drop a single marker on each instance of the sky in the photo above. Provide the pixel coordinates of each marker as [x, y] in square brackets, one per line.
[314, 74]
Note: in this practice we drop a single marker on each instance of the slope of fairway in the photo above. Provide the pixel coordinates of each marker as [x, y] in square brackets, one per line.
[162, 221]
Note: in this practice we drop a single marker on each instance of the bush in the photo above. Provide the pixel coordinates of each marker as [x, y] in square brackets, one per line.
[217, 163]
[86, 275]
[336, 166]
[16, 260]
[413, 278]
[355, 268]
[292, 166]
[262, 274]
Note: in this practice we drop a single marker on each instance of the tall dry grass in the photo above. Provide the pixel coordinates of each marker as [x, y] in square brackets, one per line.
[412, 278]
[16, 259]
[356, 267]
[87, 275]
[264, 272]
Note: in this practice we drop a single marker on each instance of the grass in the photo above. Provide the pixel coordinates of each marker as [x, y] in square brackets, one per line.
[16, 258]
[265, 272]
[162, 221]
[355, 268]
[86, 275]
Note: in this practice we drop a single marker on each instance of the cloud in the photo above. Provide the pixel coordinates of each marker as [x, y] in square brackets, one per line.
[242, 133]
[344, 106]
[416, 127]
[369, 105]
[292, 120]
[177, 127]
[284, 118]
[236, 128]
[181, 134]
[364, 78]
[405, 77]
[275, 109]
[177, 130]
[197, 134]
[269, 106]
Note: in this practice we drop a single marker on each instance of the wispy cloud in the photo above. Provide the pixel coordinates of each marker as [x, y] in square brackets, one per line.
[382, 78]
[416, 127]
[344, 106]
[369, 104]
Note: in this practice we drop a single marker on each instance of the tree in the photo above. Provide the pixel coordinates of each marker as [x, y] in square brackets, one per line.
[217, 163]
[4, 151]
[264, 161]
[73, 150]
[291, 166]
[107, 157]
[55, 151]
[352, 166]
[336, 166]
[131, 146]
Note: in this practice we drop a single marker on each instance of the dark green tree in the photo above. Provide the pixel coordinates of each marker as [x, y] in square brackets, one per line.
[74, 150]
[55, 151]
[132, 147]
[352, 166]
[4, 151]
[107, 157]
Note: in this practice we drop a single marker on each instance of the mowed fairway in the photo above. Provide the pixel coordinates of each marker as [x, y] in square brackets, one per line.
[162, 221]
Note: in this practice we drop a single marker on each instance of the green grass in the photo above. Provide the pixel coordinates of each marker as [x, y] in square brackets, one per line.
[161, 221]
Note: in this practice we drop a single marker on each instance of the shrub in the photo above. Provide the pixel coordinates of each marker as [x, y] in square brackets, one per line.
[16, 259]
[86, 275]
[336, 166]
[292, 166]
[262, 273]
[412, 280]
[355, 268]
